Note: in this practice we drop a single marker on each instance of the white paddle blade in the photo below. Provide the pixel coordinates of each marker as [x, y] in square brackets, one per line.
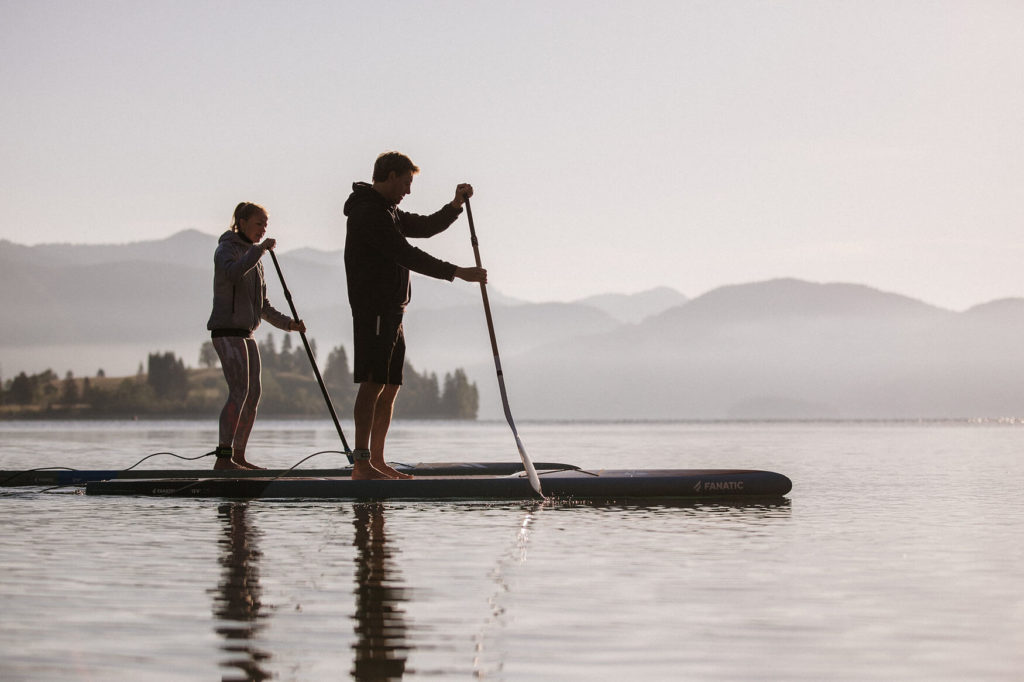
[531, 472]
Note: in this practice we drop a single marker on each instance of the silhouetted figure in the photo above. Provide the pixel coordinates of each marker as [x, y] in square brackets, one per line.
[378, 258]
[236, 601]
[239, 304]
[380, 647]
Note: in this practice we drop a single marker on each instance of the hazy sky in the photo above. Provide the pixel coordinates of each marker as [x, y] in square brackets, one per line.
[614, 146]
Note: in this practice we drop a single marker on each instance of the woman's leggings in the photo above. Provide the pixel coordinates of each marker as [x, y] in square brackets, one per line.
[240, 359]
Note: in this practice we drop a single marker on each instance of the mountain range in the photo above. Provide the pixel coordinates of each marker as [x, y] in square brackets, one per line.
[782, 348]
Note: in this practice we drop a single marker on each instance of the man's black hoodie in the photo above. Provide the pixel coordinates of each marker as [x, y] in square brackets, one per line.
[378, 256]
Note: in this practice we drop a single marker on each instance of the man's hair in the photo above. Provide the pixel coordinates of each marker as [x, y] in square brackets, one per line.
[392, 161]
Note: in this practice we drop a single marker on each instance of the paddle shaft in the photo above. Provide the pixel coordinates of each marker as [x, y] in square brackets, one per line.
[527, 464]
[312, 360]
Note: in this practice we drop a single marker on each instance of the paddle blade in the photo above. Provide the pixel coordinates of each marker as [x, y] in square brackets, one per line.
[531, 473]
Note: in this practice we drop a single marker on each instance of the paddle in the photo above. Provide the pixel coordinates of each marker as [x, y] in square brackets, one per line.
[312, 361]
[527, 464]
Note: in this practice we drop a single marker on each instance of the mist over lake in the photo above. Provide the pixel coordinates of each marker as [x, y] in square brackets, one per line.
[781, 348]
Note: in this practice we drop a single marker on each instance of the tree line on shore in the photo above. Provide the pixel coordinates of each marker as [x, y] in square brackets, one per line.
[166, 387]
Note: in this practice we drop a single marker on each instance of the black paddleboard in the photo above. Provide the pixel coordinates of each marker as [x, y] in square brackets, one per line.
[618, 485]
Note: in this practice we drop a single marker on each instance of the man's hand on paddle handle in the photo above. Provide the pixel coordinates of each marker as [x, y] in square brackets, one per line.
[297, 326]
[463, 191]
[472, 274]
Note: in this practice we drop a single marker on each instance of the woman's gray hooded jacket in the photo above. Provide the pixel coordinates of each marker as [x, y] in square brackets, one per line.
[239, 290]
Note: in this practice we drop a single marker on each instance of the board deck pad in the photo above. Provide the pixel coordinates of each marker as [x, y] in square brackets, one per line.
[573, 483]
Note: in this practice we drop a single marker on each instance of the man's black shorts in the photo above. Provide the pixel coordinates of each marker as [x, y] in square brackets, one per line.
[379, 348]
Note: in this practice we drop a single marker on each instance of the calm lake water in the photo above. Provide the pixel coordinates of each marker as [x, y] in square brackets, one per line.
[898, 555]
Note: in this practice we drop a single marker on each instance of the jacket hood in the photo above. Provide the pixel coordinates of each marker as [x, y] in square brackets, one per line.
[363, 193]
[232, 236]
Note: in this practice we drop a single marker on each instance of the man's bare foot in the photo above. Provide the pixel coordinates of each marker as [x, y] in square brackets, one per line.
[390, 470]
[363, 470]
[225, 463]
[242, 463]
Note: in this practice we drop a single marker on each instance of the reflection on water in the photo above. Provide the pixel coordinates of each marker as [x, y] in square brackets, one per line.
[383, 636]
[380, 648]
[490, 656]
[894, 560]
[236, 602]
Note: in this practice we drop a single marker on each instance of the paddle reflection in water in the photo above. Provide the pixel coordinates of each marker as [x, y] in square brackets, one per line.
[236, 600]
[490, 657]
[381, 649]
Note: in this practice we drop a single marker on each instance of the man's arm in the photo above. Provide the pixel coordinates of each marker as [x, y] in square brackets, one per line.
[422, 262]
[472, 274]
[418, 226]
[381, 234]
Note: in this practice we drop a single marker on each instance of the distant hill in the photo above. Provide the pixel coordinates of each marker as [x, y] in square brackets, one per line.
[633, 308]
[791, 298]
[89, 306]
[188, 247]
[786, 349]
[783, 348]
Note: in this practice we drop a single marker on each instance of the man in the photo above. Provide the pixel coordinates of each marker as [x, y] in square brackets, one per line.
[378, 259]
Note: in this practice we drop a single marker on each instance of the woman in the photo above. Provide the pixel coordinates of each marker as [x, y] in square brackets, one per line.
[239, 303]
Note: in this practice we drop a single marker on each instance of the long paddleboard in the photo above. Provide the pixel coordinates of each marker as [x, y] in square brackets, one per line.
[61, 477]
[570, 484]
